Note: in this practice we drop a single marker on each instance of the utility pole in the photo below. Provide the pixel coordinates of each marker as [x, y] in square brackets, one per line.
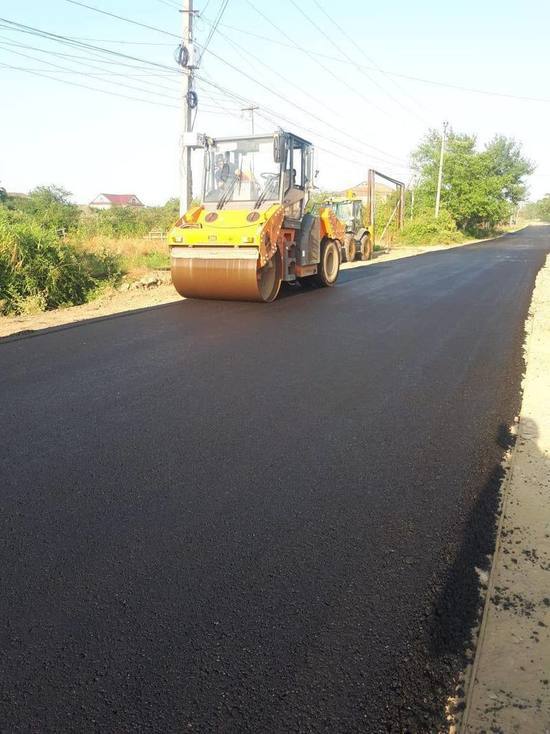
[401, 220]
[371, 187]
[189, 102]
[251, 109]
[412, 186]
[440, 175]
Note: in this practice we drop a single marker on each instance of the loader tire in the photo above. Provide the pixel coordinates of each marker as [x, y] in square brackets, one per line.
[351, 251]
[366, 247]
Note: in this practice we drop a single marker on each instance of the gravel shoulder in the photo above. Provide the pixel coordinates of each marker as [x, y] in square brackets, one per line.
[510, 681]
[154, 290]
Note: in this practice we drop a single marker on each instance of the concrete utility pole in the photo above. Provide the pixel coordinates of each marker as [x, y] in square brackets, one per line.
[251, 109]
[189, 102]
[412, 187]
[440, 176]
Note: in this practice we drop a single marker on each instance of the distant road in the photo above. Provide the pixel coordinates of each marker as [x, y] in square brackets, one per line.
[258, 518]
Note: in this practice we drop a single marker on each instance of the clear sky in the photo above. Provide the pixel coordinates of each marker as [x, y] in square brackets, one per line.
[333, 92]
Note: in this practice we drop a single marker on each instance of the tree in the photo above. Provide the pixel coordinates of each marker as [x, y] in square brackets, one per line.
[169, 213]
[538, 209]
[480, 188]
[543, 208]
[51, 207]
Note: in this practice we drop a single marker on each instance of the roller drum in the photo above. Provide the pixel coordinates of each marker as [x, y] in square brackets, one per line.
[225, 274]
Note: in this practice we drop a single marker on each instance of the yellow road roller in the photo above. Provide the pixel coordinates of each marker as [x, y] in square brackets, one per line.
[251, 232]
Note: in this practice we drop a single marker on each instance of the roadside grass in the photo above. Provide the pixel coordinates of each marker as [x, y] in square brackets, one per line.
[135, 256]
[429, 236]
[40, 269]
[137, 264]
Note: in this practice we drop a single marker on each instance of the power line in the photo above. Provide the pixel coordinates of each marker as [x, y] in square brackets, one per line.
[170, 4]
[88, 74]
[99, 75]
[120, 17]
[222, 60]
[86, 86]
[302, 91]
[471, 90]
[129, 43]
[400, 75]
[328, 151]
[285, 99]
[96, 57]
[79, 44]
[216, 109]
[278, 117]
[326, 69]
[322, 104]
[214, 27]
[294, 45]
[71, 42]
[349, 37]
[85, 62]
[352, 61]
[137, 99]
[217, 20]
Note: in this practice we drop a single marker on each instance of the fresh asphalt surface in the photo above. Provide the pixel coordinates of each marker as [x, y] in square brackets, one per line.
[258, 518]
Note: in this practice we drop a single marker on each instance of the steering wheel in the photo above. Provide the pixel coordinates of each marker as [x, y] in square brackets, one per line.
[268, 175]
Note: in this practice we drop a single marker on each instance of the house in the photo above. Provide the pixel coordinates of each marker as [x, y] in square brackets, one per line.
[109, 201]
[361, 191]
[16, 195]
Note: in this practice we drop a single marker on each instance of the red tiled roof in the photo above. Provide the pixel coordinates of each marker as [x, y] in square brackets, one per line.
[120, 199]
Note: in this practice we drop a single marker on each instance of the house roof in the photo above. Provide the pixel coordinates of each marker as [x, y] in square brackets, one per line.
[361, 190]
[120, 199]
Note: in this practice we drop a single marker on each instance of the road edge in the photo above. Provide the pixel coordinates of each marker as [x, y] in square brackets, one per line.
[510, 463]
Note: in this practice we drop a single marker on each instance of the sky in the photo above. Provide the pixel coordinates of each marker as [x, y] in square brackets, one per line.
[348, 82]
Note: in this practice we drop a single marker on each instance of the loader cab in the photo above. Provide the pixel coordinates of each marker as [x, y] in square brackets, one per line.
[257, 171]
[350, 212]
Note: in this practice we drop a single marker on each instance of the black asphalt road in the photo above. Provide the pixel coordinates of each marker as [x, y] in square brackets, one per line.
[259, 518]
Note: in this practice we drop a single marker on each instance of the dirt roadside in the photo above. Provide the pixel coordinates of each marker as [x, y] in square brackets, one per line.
[154, 289]
[510, 681]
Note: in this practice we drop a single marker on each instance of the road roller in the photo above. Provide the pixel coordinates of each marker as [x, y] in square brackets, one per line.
[251, 232]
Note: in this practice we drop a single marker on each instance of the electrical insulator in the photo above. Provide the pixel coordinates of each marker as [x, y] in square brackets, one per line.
[182, 55]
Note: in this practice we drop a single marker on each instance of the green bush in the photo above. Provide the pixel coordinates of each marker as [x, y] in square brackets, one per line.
[52, 254]
[425, 229]
[50, 206]
[39, 271]
[122, 222]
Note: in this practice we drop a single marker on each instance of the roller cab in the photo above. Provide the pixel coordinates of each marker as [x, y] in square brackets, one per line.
[250, 232]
